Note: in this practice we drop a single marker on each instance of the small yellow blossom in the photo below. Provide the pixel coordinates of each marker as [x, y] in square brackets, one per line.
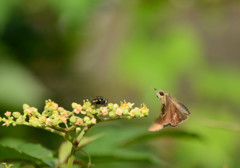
[32, 118]
[104, 110]
[43, 118]
[143, 108]
[49, 121]
[132, 113]
[77, 108]
[119, 111]
[130, 105]
[79, 121]
[94, 121]
[124, 104]
[8, 114]
[6, 123]
[89, 109]
[28, 111]
[83, 112]
[55, 106]
[64, 119]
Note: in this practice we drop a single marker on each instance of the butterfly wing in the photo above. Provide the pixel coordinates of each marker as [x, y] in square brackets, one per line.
[172, 113]
[179, 112]
[164, 118]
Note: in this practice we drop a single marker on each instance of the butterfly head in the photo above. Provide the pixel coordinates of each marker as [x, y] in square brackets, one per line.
[160, 93]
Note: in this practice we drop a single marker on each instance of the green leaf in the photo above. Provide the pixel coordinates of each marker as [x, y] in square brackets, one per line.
[165, 133]
[65, 148]
[123, 155]
[64, 151]
[86, 140]
[17, 149]
[222, 125]
[107, 148]
[28, 88]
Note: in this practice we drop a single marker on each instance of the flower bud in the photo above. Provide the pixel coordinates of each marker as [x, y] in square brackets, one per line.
[78, 129]
[93, 120]
[55, 106]
[110, 106]
[8, 114]
[63, 111]
[73, 119]
[94, 111]
[28, 111]
[132, 113]
[20, 120]
[87, 104]
[45, 113]
[89, 122]
[25, 106]
[34, 122]
[77, 108]
[88, 109]
[49, 121]
[83, 112]
[55, 112]
[124, 104]
[79, 121]
[50, 109]
[130, 105]
[145, 110]
[125, 112]
[104, 110]
[119, 111]
[64, 119]
[112, 114]
[74, 105]
[86, 119]
[129, 117]
[115, 107]
[6, 123]
[55, 121]
[42, 119]
[137, 112]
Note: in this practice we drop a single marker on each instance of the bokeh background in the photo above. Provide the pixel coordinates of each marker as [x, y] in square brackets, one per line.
[73, 50]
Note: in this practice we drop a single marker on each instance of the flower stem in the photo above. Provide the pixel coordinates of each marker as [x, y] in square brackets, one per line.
[71, 157]
[74, 150]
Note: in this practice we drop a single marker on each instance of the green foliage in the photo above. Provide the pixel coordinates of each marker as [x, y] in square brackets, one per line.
[73, 50]
[219, 145]
[64, 152]
[72, 125]
[114, 146]
[156, 135]
[219, 84]
[28, 86]
[16, 149]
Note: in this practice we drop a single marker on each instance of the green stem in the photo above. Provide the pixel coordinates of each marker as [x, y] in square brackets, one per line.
[54, 131]
[71, 157]
[112, 119]
[80, 136]
[73, 151]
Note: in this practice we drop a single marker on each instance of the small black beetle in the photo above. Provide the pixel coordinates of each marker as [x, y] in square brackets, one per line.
[99, 100]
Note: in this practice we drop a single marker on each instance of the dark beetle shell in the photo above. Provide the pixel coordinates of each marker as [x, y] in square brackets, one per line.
[99, 100]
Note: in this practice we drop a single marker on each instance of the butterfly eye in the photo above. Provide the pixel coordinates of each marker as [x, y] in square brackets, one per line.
[161, 93]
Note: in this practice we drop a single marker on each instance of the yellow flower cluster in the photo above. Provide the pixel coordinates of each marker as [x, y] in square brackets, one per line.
[56, 118]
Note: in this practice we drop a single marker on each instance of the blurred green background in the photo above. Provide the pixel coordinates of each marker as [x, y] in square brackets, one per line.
[77, 49]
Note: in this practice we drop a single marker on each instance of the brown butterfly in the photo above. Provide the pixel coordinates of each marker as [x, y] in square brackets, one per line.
[172, 112]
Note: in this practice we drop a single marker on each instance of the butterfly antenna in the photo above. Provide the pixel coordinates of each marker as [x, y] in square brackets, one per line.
[153, 88]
